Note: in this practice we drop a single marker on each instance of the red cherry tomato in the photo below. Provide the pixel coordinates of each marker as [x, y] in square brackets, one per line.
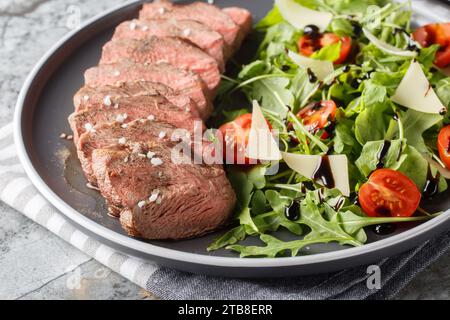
[235, 135]
[436, 33]
[444, 145]
[389, 193]
[308, 45]
[443, 58]
[318, 115]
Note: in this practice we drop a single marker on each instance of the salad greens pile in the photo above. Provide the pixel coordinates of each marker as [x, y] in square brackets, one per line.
[365, 119]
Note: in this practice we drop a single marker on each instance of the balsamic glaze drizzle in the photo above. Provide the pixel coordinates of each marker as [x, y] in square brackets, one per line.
[382, 153]
[384, 229]
[431, 185]
[292, 212]
[311, 75]
[324, 174]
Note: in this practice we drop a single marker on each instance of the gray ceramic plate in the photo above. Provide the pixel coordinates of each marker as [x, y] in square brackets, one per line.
[42, 110]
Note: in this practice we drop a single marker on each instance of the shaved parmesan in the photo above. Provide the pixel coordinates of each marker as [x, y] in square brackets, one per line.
[321, 69]
[261, 144]
[442, 170]
[415, 92]
[308, 165]
[300, 16]
[386, 47]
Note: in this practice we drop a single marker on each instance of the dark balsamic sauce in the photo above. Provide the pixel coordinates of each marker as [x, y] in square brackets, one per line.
[383, 152]
[292, 212]
[311, 31]
[384, 229]
[357, 29]
[431, 188]
[339, 204]
[311, 76]
[324, 174]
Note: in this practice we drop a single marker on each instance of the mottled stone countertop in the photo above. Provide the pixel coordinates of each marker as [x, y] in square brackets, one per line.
[35, 264]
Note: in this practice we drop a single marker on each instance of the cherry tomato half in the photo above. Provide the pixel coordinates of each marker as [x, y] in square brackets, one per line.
[389, 193]
[318, 115]
[235, 135]
[307, 45]
[444, 145]
[436, 33]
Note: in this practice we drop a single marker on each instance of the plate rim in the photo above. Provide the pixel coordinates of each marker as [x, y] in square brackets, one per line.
[167, 253]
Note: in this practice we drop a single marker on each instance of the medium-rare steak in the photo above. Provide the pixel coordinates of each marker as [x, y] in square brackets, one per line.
[174, 51]
[206, 39]
[88, 97]
[205, 13]
[130, 109]
[108, 134]
[182, 81]
[161, 199]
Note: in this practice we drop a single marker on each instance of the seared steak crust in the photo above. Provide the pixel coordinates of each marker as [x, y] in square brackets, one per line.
[184, 82]
[158, 204]
[206, 39]
[175, 51]
[208, 14]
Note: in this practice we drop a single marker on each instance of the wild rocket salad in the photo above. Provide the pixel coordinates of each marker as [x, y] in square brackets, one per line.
[359, 103]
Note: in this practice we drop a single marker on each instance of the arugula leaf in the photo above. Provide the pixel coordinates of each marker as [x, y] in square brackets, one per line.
[342, 27]
[443, 91]
[256, 68]
[328, 53]
[372, 123]
[258, 203]
[230, 237]
[369, 158]
[257, 176]
[242, 186]
[415, 123]
[427, 56]
[273, 94]
[354, 224]
[275, 247]
[321, 228]
[245, 218]
[344, 140]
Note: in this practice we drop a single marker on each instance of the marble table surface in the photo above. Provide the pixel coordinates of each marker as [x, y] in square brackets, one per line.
[35, 264]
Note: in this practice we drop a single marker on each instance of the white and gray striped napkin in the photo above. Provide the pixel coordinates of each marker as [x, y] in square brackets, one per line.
[17, 191]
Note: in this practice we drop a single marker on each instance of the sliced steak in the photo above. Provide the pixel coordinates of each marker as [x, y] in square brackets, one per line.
[174, 51]
[130, 109]
[108, 135]
[206, 39]
[243, 18]
[208, 14]
[165, 201]
[182, 81]
[88, 97]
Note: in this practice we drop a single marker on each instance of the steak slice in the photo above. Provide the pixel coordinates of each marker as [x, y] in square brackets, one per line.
[108, 134]
[166, 201]
[209, 41]
[88, 97]
[130, 109]
[210, 15]
[182, 81]
[243, 18]
[177, 52]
